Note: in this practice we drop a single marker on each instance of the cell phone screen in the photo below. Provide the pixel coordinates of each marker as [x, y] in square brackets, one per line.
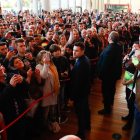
[47, 57]
[11, 48]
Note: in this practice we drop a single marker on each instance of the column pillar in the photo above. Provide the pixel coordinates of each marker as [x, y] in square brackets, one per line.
[80, 3]
[97, 5]
[101, 5]
[46, 5]
[19, 5]
[108, 1]
[94, 4]
[35, 3]
[59, 3]
[74, 5]
[67, 3]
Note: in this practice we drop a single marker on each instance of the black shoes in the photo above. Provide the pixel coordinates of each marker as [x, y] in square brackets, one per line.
[104, 111]
[127, 126]
[125, 117]
[88, 128]
[81, 136]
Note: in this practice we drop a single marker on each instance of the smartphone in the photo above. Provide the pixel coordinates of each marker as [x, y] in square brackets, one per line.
[47, 56]
[68, 26]
[33, 65]
[14, 33]
[61, 25]
[56, 32]
[24, 33]
[27, 51]
[15, 71]
[11, 48]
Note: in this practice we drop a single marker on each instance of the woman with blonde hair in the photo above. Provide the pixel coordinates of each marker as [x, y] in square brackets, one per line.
[49, 74]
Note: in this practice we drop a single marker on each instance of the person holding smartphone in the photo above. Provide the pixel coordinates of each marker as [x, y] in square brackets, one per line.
[53, 41]
[62, 66]
[49, 73]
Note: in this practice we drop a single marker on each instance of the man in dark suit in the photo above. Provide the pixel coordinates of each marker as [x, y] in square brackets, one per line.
[109, 70]
[80, 88]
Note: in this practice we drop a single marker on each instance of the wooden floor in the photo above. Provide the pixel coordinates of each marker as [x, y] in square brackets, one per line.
[103, 126]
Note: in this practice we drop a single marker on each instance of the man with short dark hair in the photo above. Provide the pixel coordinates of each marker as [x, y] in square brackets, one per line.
[26, 58]
[5, 55]
[109, 70]
[80, 89]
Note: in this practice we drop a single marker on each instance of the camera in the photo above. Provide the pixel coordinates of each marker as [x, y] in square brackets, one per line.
[68, 26]
[24, 33]
[14, 33]
[33, 65]
[87, 36]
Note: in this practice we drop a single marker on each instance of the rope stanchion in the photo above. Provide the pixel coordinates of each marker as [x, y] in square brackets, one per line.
[25, 111]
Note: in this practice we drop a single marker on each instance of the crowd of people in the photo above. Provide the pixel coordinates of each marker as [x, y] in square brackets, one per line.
[58, 52]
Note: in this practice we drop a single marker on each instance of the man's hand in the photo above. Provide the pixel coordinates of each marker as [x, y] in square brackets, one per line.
[55, 36]
[29, 73]
[70, 103]
[37, 72]
[10, 54]
[16, 79]
[129, 60]
[137, 54]
[29, 56]
[65, 74]
[8, 35]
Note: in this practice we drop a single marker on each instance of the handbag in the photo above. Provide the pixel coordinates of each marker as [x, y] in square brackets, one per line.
[29, 102]
[53, 126]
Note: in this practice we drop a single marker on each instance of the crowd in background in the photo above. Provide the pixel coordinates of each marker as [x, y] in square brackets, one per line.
[40, 49]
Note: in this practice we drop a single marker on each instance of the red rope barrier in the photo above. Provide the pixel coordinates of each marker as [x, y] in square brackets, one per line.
[93, 59]
[136, 34]
[25, 111]
[65, 80]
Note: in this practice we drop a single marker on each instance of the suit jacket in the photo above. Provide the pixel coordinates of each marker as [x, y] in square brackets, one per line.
[80, 81]
[110, 62]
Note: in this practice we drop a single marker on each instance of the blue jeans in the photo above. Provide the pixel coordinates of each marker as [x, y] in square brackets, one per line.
[136, 135]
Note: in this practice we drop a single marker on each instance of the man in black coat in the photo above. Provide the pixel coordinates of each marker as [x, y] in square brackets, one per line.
[80, 88]
[12, 103]
[109, 70]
